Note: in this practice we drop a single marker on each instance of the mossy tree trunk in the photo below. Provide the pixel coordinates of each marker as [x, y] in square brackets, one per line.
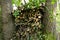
[0, 23]
[49, 19]
[8, 25]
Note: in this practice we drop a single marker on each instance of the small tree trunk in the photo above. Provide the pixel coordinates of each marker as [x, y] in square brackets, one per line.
[49, 19]
[8, 25]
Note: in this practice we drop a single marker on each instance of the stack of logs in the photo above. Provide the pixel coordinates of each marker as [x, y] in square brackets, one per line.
[28, 24]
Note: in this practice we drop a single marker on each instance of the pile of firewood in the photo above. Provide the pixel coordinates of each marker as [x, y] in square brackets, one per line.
[28, 24]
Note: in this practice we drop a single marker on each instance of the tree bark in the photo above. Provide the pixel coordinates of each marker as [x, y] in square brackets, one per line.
[8, 25]
[49, 19]
[0, 2]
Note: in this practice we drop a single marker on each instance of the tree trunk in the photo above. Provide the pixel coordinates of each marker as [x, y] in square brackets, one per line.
[8, 25]
[0, 24]
[49, 20]
[0, 2]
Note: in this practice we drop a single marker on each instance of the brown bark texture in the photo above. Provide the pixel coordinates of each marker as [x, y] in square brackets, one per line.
[49, 19]
[8, 25]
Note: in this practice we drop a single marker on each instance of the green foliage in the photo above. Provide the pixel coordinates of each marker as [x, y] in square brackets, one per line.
[30, 4]
[42, 1]
[35, 3]
[16, 2]
[16, 13]
[50, 36]
[53, 1]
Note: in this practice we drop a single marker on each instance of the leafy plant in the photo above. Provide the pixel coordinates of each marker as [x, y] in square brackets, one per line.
[16, 13]
[16, 2]
[53, 1]
[50, 36]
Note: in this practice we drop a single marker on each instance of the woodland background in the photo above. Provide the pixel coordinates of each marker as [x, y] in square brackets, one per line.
[51, 17]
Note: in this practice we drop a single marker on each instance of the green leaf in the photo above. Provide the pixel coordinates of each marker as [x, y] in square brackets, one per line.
[17, 2]
[30, 0]
[42, 1]
[53, 2]
[16, 13]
